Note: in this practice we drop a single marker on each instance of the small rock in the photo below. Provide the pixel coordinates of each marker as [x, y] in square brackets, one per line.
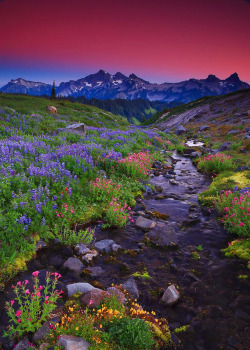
[158, 188]
[96, 295]
[116, 247]
[51, 109]
[78, 287]
[73, 264]
[144, 224]
[164, 236]
[81, 249]
[180, 130]
[233, 132]
[148, 189]
[195, 154]
[131, 287]
[204, 127]
[104, 246]
[23, 344]
[44, 330]
[173, 182]
[170, 296]
[87, 258]
[70, 342]
[156, 165]
[40, 244]
[96, 271]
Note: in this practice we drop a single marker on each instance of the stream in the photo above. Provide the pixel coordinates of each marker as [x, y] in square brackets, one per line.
[214, 301]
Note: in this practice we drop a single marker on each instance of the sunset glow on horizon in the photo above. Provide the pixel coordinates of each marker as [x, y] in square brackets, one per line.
[160, 41]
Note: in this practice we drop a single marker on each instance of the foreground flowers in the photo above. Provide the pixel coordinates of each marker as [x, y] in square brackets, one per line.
[34, 304]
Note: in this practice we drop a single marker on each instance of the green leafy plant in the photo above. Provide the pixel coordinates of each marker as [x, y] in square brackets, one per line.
[132, 334]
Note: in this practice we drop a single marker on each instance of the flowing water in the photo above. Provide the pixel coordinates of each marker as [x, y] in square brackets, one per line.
[214, 302]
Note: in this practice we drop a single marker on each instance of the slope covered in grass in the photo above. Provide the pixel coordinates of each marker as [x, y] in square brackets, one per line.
[67, 112]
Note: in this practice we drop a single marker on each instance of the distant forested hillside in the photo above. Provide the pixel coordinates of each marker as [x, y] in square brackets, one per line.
[139, 109]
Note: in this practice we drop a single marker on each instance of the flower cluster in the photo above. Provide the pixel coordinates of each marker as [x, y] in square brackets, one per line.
[34, 303]
[215, 163]
[117, 214]
[236, 209]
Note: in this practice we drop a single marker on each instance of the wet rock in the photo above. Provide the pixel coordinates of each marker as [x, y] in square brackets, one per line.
[204, 127]
[167, 176]
[148, 190]
[81, 249]
[171, 172]
[190, 278]
[73, 264]
[158, 188]
[95, 295]
[159, 197]
[119, 294]
[225, 146]
[195, 154]
[104, 246]
[144, 224]
[23, 344]
[188, 150]
[124, 269]
[40, 245]
[87, 258]
[70, 342]
[96, 271]
[156, 165]
[173, 182]
[45, 329]
[180, 130]
[78, 287]
[170, 296]
[131, 286]
[163, 236]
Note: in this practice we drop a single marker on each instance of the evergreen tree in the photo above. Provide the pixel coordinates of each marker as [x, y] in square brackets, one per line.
[53, 91]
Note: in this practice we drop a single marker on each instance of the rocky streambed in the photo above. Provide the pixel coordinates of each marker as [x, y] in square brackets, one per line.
[173, 249]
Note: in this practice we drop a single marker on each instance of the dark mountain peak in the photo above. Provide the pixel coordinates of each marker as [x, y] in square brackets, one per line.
[101, 75]
[233, 78]
[212, 78]
[136, 78]
[119, 75]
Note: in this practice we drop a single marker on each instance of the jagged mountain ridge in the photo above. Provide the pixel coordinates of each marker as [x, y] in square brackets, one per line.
[103, 85]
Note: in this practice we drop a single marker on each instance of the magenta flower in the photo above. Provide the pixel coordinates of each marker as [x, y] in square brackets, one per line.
[35, 273]
[11, 302]
[18, 313]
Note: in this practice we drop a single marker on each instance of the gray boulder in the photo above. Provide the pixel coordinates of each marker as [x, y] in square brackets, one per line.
[70, 342]
[78, 128]
[78, 287]
[180, 130]
[104, 246]
[73, 264]
[81, 249]
[144, 224]
[23, 344]
[96, 271]
[131, 286]
[170, 296]
[44, 330]
[163, 235]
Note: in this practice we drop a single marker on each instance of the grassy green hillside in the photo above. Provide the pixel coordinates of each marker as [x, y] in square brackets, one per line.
[68, 112]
